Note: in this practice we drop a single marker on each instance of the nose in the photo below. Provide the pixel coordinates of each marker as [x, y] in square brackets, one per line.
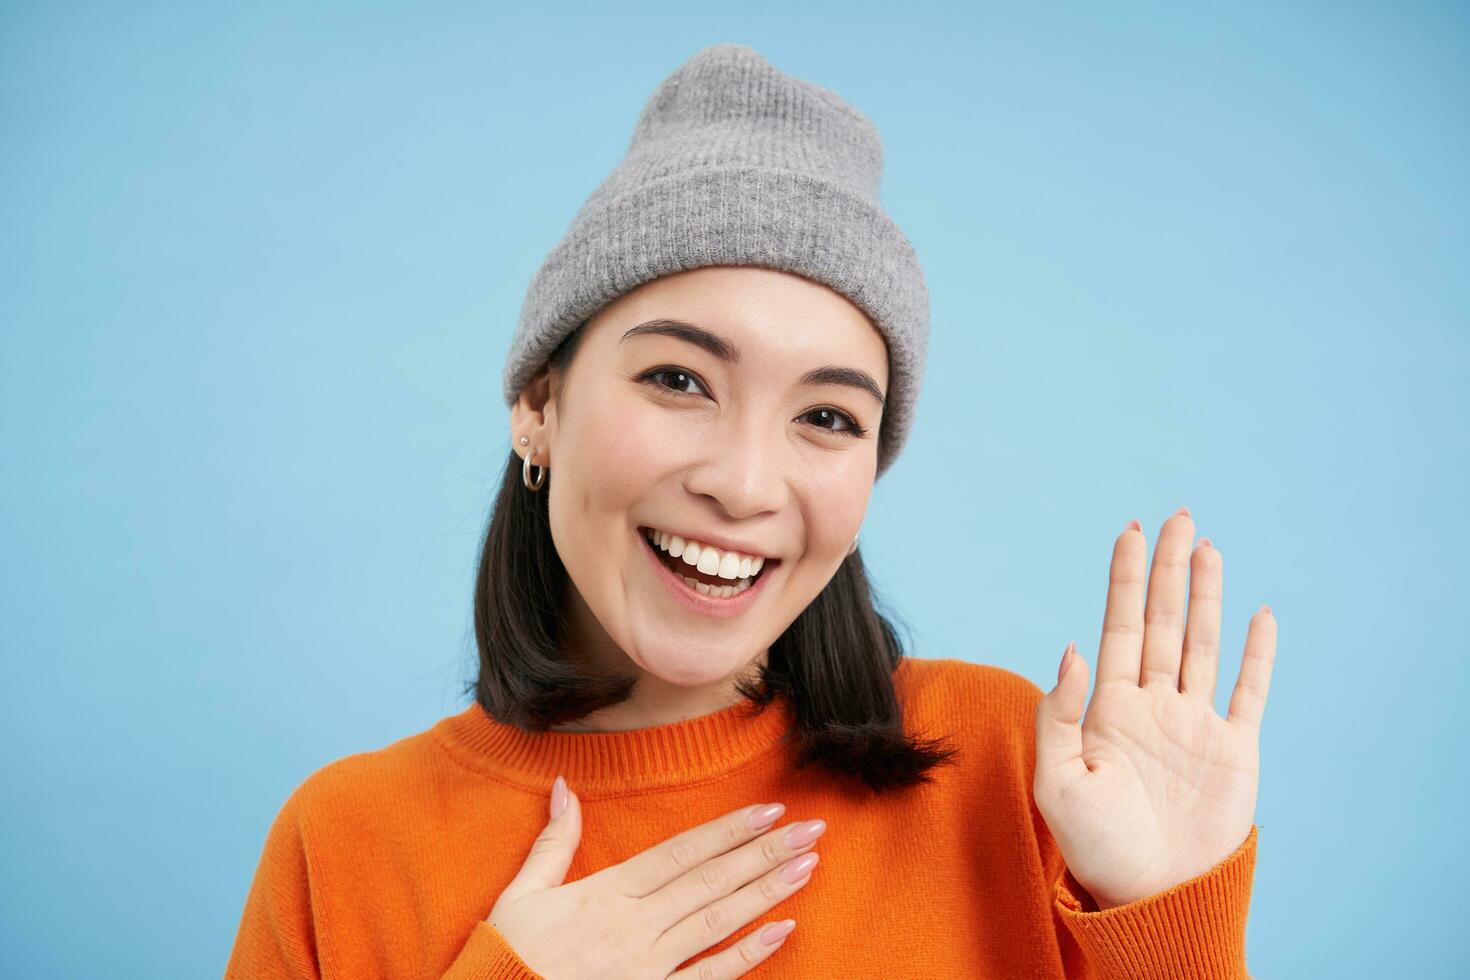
[744, 471]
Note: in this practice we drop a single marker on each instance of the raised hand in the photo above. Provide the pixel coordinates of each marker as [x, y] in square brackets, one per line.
[647, 915]
[1153, 787]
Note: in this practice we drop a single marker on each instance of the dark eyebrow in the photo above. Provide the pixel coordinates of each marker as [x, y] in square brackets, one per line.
[728, 352]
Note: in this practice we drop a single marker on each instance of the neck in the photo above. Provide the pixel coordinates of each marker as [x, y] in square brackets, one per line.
[657, 702]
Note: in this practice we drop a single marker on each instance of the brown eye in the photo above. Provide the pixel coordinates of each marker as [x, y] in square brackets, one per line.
[678, 378]
[835, 421]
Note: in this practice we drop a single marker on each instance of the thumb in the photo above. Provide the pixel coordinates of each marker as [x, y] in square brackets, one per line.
[552, 850]
[1059, 717]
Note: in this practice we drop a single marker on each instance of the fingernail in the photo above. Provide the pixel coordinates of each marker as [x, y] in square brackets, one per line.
[804, 833]
[558, 796]
[1205, 543]
[1062, 667]
[1267, 610]
[1134, 525]
[777, 931]
[765, 816]
[1183, 510]
[798, 869]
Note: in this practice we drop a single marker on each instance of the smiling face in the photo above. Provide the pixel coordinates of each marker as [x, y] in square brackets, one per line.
[722, 405]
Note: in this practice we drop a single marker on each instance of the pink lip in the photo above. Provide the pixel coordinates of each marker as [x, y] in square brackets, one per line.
[705, 605]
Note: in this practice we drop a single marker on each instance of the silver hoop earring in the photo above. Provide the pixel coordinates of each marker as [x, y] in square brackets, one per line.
[526, 473]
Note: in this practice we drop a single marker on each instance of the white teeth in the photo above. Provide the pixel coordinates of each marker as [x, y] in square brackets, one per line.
[711, 561]
[692, 551]
[721, 590]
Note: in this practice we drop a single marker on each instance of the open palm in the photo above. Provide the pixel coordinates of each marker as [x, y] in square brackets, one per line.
[1153, 787]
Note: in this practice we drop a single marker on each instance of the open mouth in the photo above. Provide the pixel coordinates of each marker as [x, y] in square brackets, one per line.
[705, 583]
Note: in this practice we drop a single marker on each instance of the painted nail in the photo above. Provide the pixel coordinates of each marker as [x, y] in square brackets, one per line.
[777, 931]
[765, 816]
[798, 869]
[558, 796]
[804, 833]
[1134, 525]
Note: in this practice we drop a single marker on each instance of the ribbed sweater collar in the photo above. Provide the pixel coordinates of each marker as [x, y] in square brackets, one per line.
[610, 763]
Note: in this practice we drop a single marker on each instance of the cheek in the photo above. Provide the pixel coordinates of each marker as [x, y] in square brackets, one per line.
[636, 446]
[608, 456]
[839, 503]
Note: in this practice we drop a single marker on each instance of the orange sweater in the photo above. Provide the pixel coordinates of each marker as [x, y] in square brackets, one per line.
[386, 863]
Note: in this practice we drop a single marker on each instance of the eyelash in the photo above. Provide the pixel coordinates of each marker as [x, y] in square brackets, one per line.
[853, 430]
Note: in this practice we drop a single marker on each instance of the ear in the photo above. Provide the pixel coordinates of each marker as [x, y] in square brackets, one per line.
[529, 418]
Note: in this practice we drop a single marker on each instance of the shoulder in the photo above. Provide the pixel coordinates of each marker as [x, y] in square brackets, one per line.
[353, 788]
[954, 693]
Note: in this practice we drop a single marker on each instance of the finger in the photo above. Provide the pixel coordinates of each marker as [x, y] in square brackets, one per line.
[1163, 619]
[1248, 703]
[551, 852]
[1121, 649]
[742, 957]
[650, 870]
[1202, 635]
[704, 928]
[719, 876]
[1058, 725]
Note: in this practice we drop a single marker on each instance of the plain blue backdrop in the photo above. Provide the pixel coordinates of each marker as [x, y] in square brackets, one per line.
[261, 265]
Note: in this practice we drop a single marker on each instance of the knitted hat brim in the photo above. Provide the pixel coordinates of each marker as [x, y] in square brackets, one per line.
[772, 218]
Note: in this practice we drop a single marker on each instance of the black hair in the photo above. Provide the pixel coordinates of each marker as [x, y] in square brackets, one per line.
[834, 663]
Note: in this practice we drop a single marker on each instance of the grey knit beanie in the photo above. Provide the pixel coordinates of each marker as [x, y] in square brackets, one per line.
[733, 162]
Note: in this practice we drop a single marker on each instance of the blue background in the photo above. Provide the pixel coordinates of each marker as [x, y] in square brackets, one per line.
[261, 265]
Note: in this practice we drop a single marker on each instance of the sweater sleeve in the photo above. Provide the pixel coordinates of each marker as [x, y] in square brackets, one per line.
[282, 931]
[487, 956]
[278, 934]
[1195, 929]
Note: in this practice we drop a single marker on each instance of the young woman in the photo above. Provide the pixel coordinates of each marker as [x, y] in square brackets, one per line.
[686, 696]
